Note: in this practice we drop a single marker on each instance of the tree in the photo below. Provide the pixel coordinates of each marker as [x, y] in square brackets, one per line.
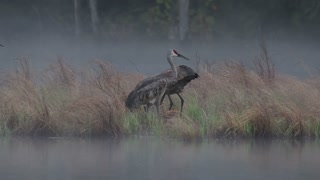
[76, 17]
[183, 19]
[94, 16]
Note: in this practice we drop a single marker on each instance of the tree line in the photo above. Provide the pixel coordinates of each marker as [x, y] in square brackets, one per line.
[169, 19]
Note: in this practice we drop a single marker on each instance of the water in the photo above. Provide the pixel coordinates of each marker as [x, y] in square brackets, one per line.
[152, 158]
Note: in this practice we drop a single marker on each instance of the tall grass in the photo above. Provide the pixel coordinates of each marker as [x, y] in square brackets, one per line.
[227, 100]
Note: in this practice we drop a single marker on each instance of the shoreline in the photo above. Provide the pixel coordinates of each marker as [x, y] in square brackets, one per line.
[228, 100]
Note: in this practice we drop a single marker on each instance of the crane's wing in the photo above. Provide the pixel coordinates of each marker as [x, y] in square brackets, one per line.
[186, 73]
[164, 75]
[148, 89]
[147, 93]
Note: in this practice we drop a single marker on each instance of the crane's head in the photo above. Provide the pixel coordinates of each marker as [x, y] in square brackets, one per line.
[174, 53]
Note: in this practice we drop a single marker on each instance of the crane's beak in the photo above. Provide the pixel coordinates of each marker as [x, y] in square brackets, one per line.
[180, 55]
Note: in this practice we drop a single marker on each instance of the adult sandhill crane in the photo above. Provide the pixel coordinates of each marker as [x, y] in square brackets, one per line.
[150, 90]
[147, 95]
[185, 75]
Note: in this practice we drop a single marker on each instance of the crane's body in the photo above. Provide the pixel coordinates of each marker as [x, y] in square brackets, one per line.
[147, 95]
[185, 75]
[150, 90]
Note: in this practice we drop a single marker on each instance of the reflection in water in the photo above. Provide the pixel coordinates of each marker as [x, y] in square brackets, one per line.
[150, 158]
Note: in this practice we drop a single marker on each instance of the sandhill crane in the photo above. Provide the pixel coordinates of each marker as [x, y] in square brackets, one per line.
[1, 45]
[147, 95]
[185, 75]
[150, 90]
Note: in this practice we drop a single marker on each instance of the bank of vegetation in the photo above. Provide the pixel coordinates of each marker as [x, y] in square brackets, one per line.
[228, 100]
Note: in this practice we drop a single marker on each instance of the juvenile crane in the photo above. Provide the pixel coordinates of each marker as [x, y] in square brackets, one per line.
[185, 75]
[150, 90]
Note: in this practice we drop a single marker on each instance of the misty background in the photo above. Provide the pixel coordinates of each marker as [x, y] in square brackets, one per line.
[135, 35]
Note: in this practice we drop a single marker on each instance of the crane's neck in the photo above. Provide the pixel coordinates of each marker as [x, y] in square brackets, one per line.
[173, 67]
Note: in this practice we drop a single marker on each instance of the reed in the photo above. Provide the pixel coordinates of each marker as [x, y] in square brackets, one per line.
[227, 100]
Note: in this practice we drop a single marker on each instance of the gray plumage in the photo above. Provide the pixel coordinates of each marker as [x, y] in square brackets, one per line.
[185, 75]
[147, 94]
[150, 90]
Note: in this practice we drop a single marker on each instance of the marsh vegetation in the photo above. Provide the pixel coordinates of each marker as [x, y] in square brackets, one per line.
[227, 100]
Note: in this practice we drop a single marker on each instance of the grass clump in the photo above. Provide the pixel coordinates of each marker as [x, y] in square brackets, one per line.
[131, 122]
[227, 100]
[141, 123]
[195, 112]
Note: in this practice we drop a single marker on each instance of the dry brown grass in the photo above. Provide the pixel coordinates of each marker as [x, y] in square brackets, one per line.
[184, 127]
[62, 102]
[252, 104]
[227, 100]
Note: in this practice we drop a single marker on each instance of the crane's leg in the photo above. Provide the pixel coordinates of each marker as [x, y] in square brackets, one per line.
[170, 100]
[147, 107]
[162, 99]
[182, 101]
[171, 103]
[157, 103]
[157, 106]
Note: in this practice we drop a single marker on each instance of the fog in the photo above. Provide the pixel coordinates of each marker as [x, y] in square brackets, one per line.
[135, 36]
[150, 57]
[43, 31]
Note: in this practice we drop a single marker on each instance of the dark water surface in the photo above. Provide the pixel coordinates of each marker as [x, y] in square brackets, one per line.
[153, 158]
